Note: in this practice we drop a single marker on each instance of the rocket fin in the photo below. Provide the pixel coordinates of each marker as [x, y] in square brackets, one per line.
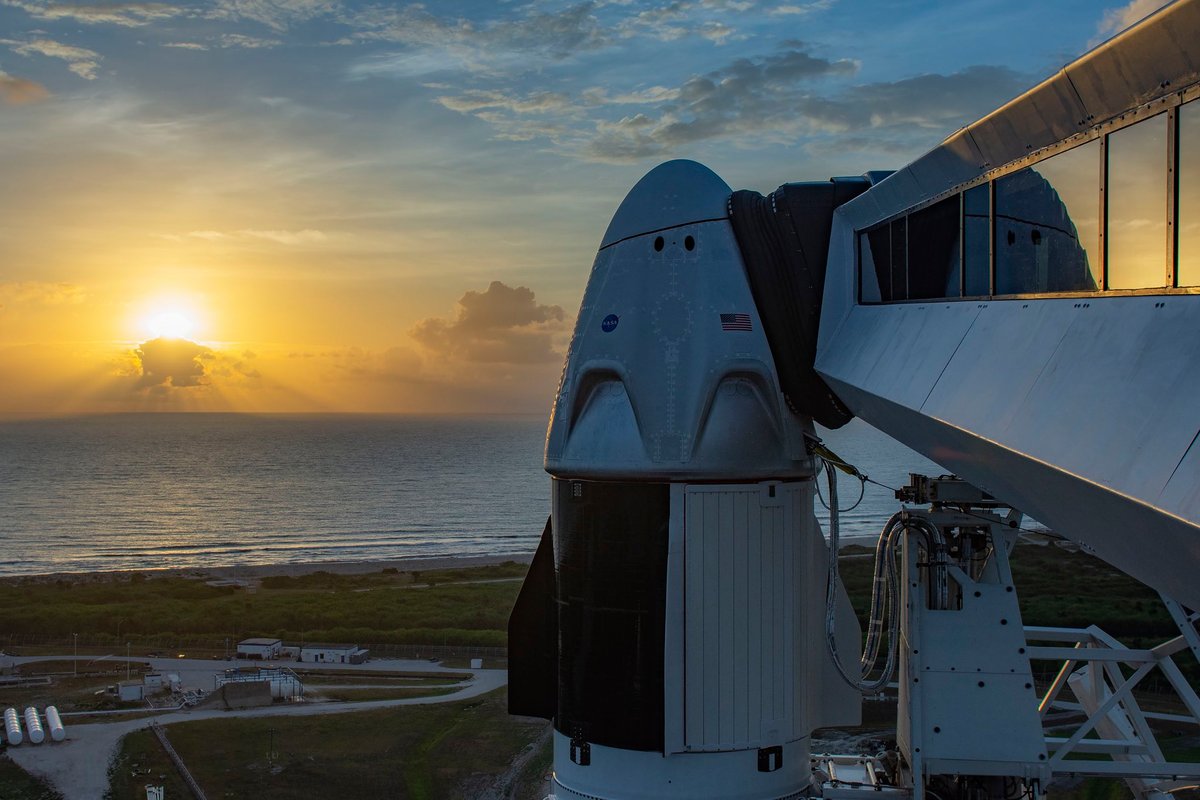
[533, 638]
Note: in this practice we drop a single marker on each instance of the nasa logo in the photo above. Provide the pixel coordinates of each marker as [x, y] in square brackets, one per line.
[610, 323]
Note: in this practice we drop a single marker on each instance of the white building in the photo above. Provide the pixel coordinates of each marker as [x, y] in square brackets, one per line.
[131, 690]
[333, 653]
[261, 649]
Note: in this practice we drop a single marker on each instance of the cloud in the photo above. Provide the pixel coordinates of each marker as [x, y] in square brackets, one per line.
[1118, 19]
[245, 42]
[501, 45]
[800, 9]
[754, 102]
[284, 237]
[166, 363]
[129, 15]
[38, 293]
[754, 99]
[278, 15]
[503, 325]
[16, 91]
[80, 60]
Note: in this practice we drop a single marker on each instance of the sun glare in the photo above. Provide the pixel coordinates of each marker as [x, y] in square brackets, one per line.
[169, 320]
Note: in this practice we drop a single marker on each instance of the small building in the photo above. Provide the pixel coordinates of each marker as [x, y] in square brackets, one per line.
[131, 690]
[260, 649]
[333, 654]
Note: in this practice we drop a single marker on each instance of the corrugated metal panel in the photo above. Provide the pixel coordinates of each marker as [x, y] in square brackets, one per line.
[740, 597]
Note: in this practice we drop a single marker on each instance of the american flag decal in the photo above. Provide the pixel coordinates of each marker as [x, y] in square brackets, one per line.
[736, 322]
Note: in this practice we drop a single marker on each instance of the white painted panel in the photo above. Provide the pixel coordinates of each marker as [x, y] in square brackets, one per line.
[899, 349]
[982, 385]
[741, 616]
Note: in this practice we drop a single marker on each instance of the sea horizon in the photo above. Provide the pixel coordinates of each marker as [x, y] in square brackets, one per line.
[153, 490]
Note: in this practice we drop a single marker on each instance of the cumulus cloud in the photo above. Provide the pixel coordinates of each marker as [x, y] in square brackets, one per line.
[167, 363]
[1118, 19]
[128, 15]
[80, 60]
[503, 324]
[39, 293]
[16, 91]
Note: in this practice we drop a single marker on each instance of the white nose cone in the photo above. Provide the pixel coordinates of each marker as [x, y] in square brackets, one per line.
[672, 194]
[669, 374]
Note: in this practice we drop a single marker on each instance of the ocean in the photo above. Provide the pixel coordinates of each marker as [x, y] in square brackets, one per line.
[151, 491]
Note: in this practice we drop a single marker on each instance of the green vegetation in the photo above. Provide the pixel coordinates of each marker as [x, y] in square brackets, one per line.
[17, 784]
[417, 752]
[467, 606]
[1055, 587]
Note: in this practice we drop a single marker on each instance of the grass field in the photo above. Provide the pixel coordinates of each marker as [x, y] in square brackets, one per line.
[466, 606]
[449, 750]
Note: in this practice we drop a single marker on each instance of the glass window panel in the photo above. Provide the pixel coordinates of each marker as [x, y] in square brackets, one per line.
[1137, 205]
[899, 259]
[933, 251]
[880, 250]
[1047, 224]
[1188, 172]
[977, 208]
[867, 272]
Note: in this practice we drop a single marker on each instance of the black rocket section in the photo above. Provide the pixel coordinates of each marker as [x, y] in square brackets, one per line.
[533, 638]
[784, 239]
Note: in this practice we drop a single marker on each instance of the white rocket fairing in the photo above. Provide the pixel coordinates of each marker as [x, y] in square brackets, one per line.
[687, 630]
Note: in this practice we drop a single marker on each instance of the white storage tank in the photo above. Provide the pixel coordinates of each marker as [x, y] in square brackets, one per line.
[12, 727]
[33, 724]
[55, 724]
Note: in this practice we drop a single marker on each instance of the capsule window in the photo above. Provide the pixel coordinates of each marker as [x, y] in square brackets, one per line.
[658, 244]
[690, 243]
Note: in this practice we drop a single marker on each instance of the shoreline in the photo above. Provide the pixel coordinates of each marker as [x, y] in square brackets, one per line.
[247, 573]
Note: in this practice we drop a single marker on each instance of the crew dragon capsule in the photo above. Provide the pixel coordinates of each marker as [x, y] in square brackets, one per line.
[672, 624]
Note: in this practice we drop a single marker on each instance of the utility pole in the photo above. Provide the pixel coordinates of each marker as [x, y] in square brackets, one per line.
[75, 661]
[127, 664]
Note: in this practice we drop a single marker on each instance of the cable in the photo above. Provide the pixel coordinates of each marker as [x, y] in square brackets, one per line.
[862, 490]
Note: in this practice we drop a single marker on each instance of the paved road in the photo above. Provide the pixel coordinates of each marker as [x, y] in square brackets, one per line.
[78, 767]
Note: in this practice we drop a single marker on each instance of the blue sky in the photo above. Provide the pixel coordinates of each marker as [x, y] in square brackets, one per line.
[356, 169]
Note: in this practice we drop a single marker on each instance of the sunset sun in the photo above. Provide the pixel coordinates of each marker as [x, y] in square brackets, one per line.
[170, 325]
[169, 318]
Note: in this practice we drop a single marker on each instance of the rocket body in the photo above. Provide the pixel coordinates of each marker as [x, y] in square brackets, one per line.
[688, 566]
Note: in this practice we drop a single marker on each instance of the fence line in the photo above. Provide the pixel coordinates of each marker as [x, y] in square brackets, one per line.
[161, 733]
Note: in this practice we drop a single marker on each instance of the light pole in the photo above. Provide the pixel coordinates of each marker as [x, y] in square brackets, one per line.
[127, 664]
[75, 661]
